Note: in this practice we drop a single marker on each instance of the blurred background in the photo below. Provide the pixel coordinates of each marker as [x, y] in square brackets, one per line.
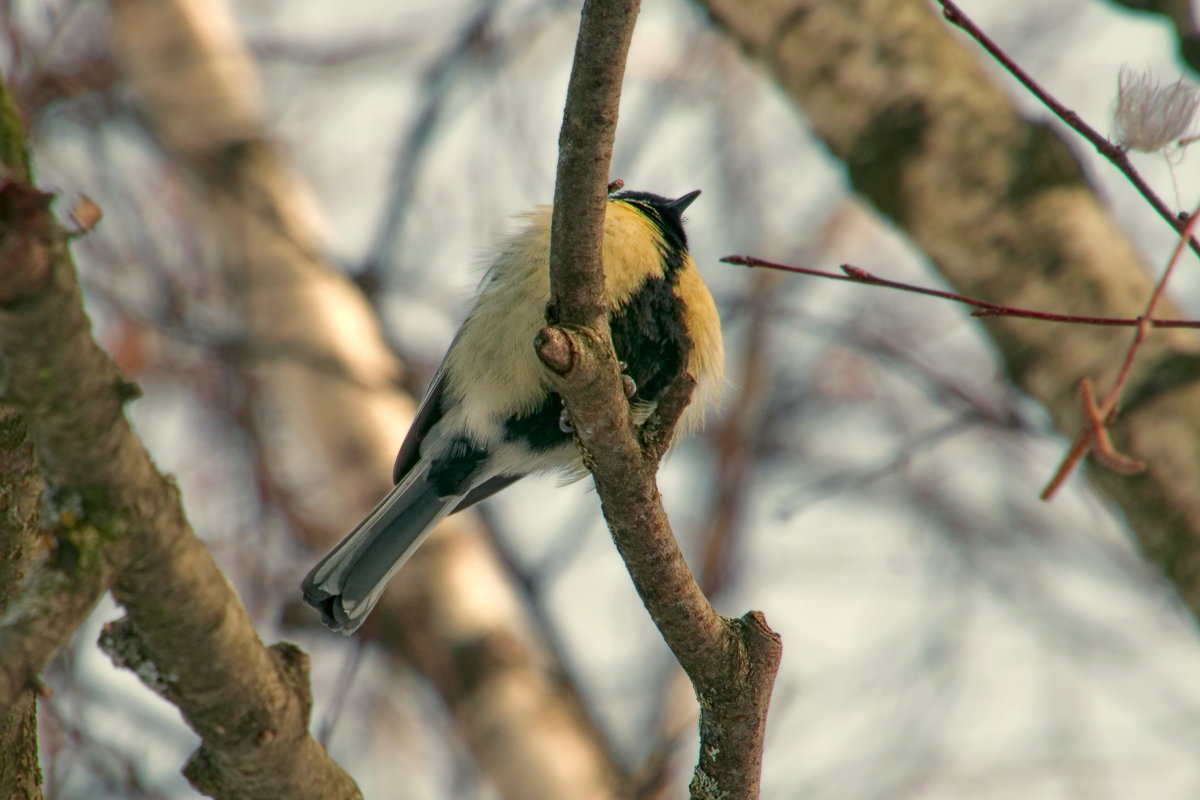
[298, 200]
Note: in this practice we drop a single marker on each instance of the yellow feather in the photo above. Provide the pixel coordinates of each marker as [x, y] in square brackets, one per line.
[706, 359]
[492, 367]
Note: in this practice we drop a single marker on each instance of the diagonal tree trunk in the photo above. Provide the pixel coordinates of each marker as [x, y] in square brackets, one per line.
[116, 522]
[1002, 209]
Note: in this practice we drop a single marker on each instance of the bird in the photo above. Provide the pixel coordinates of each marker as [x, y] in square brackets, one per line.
[489, 416]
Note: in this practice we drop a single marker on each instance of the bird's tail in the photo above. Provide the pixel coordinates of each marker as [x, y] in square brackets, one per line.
[345, 585]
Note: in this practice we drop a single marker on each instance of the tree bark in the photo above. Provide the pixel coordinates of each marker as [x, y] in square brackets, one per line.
[21, 479]
[731, 662]
[119, 521]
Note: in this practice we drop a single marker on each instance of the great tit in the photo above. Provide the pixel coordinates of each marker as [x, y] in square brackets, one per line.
[489, 417]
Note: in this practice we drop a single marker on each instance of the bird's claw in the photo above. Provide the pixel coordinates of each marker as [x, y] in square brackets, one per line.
[627, 383]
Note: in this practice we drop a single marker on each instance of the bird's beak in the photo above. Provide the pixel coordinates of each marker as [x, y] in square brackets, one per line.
[680, 203]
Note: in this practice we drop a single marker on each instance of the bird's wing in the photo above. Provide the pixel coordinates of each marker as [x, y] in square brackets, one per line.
[428, 414]
[485, 490]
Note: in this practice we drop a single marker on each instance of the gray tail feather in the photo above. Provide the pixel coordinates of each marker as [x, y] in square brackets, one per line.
[345, 585]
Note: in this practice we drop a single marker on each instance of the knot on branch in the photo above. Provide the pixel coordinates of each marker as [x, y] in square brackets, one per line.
[576, 353]
[27, 229]
[575, 357]
[761, 642]
[203, 771]
[556, 350]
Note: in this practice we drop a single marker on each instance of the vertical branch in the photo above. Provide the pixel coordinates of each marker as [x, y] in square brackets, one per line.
[730, 662]
[585, 146]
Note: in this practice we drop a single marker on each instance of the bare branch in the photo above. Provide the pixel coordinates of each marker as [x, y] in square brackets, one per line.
[1094, 437]
[731, 662]
[585, 146]
[983, 308]
[1115, 154]
[21, 478]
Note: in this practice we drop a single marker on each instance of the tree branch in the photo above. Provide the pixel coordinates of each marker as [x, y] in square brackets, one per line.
[119, 519]
[585, 146]
[983, 308]
[731, 662]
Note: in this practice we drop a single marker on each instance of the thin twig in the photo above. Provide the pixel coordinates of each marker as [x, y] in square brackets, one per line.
[731, 662]
[855, 274]
[1114, 153]
[1094, 437]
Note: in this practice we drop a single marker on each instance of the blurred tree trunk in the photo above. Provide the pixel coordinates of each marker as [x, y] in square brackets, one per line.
[318, 363]
[1002, 209]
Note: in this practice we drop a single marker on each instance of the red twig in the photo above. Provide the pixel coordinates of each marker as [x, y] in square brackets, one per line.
[983, 308]
[1094, 437]
[1114, 153]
